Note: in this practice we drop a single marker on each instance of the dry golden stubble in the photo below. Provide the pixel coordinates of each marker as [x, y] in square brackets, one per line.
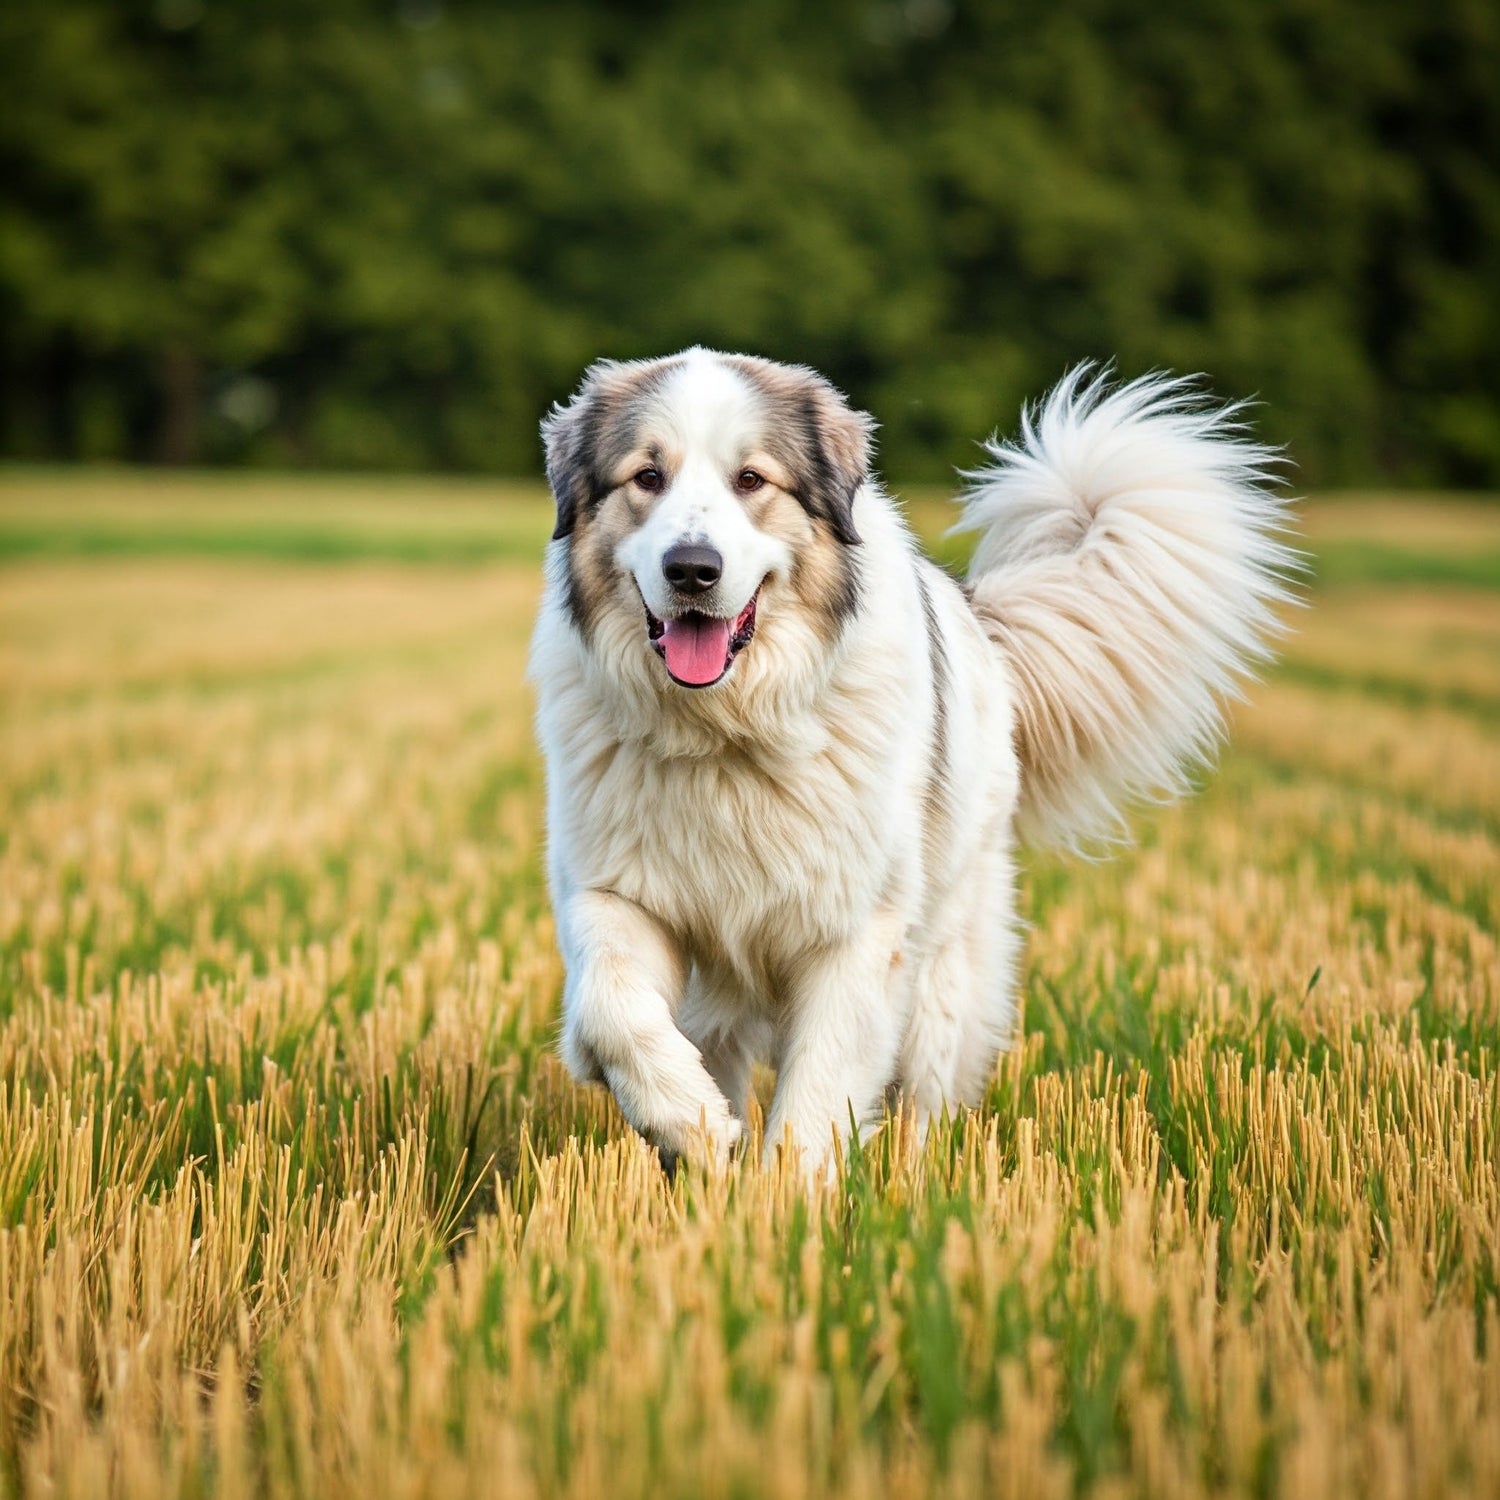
[294, 1199]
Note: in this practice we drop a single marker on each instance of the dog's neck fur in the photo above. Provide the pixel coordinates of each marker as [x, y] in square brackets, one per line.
[775, 714]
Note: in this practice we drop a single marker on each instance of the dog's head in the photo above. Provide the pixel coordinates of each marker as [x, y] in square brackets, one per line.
[700, 493]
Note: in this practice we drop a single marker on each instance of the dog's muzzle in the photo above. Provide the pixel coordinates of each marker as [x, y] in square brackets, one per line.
[699, 649]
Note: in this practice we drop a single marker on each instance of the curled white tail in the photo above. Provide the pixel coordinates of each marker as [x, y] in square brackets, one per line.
[1128, 566]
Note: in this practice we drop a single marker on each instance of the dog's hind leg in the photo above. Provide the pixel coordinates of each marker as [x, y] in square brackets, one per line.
[963, 1009]
[840, 1042]
[722, 1024]
[728, 1061]
[625, 977]
[995, 940]
[932, 1050]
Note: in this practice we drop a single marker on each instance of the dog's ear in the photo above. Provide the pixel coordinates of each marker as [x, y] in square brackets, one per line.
[838, 443]
[565, 436]
[570, 439]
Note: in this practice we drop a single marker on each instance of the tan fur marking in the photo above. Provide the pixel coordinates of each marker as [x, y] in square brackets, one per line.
[819, 575]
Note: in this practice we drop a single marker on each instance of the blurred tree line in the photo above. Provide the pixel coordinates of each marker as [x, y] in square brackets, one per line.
[389, 232]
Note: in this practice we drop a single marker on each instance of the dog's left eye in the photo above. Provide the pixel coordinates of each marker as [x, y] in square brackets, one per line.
[747, 481]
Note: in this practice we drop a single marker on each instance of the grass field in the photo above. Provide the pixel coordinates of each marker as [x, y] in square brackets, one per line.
[294, 1199]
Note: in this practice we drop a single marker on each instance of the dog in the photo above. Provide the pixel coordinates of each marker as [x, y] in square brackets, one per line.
[789, 759]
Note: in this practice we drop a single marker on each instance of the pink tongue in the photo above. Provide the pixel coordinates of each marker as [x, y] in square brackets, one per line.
[697, 648]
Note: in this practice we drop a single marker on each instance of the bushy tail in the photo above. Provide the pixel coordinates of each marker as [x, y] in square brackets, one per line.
[1128, 566]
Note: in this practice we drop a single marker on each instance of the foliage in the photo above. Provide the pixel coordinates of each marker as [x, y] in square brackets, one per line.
[388, 235]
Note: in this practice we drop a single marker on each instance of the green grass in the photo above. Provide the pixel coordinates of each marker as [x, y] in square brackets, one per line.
[1345, 564]
[323, 519]
[313, 519]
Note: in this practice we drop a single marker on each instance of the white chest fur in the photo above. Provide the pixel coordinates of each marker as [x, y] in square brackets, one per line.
[745, 856]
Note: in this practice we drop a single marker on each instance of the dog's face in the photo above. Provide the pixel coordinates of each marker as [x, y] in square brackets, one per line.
[698, 493]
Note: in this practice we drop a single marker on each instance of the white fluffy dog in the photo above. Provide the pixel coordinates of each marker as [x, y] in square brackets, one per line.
[789, 758]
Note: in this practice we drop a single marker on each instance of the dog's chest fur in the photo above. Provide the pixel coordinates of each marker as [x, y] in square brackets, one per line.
[750, 859]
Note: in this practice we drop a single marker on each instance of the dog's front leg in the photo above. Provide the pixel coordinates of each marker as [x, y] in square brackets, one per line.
[840, 1044]
[625, 976]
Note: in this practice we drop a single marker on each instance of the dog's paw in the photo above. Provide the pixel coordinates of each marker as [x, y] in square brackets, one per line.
[712, 1139]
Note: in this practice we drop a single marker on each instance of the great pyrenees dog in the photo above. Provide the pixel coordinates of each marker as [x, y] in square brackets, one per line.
[789, 759]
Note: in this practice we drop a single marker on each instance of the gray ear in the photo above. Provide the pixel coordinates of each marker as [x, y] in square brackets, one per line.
[837, 442]
[568, 437]
[572, 436]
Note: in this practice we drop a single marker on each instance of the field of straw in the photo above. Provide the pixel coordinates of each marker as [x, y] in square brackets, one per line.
[296, 1201]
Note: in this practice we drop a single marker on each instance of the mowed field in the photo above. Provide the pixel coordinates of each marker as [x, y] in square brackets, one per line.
[295, 1199]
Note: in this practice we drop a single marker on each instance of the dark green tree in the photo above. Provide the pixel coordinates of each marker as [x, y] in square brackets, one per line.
[371, 233]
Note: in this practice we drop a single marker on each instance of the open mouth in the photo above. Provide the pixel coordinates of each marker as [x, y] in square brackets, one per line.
[699, 649]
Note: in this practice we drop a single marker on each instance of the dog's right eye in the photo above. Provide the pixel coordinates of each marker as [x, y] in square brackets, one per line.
[650, 480]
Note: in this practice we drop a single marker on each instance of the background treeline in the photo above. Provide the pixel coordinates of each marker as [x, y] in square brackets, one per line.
[361, 233]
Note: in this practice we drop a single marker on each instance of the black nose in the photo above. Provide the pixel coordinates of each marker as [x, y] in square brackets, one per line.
[691, 568]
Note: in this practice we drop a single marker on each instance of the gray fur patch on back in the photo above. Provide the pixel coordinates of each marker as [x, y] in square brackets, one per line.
[937, 776]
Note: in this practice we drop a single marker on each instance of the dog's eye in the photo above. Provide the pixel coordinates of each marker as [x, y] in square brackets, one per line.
[650, 480]
[747, 481]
